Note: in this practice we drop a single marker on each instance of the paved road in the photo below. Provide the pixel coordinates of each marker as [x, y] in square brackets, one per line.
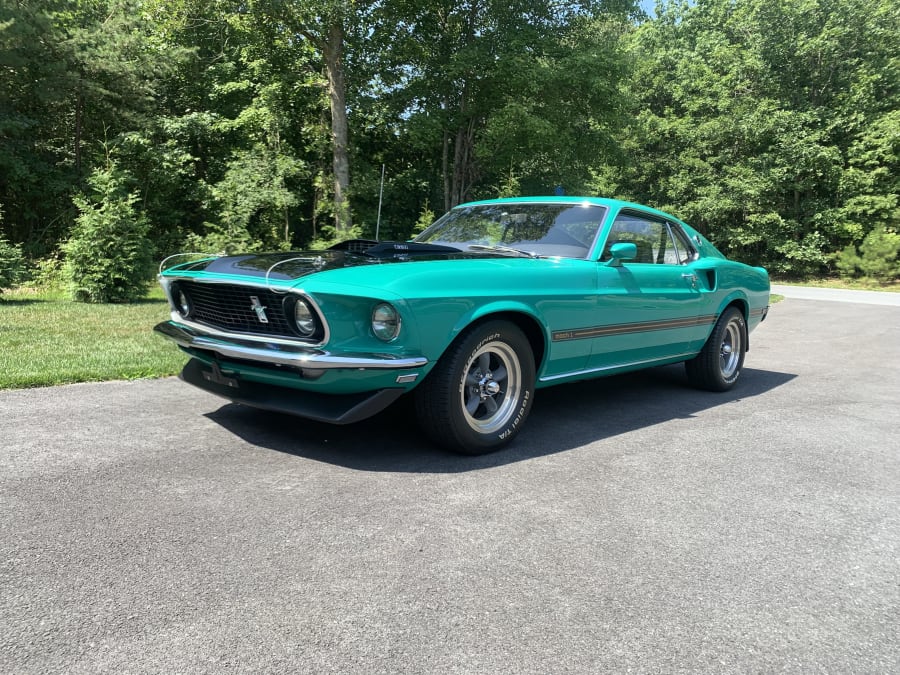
[636, 525]
[838, 295]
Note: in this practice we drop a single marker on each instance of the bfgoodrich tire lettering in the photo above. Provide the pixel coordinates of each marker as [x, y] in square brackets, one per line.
[480, 392]
[718, 365]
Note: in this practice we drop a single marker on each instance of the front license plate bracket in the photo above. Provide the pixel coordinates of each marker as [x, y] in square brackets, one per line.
[216, 376]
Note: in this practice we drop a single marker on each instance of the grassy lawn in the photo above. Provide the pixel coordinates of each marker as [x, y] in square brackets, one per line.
[47, 339]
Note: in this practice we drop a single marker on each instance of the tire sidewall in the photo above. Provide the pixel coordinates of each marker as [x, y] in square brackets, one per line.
[737, 316]
[469, 347]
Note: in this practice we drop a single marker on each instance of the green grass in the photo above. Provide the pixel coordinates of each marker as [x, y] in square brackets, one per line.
[46, 339]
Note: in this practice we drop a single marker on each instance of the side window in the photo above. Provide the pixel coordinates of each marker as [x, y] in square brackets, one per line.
[683, 250]
[653, 238]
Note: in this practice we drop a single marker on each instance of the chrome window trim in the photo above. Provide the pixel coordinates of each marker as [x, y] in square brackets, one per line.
[680, 236]
[167, 280]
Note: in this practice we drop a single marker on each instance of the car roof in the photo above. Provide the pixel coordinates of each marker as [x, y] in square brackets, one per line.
[593, 201]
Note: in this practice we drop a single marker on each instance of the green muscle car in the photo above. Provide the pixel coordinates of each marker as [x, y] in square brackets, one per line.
[494, 301]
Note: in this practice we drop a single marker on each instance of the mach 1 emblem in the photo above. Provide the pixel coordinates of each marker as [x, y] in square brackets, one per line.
[259, 308]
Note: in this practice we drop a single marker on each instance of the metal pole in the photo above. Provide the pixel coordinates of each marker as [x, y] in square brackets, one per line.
[380, 195]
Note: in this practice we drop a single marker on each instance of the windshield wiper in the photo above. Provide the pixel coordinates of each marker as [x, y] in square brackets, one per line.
[503, 249]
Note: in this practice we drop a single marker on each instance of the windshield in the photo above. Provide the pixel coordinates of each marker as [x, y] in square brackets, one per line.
[544, 229]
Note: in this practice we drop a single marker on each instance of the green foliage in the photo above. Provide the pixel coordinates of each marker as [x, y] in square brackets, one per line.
[878, 257]
[12, 265]
[73, 76]
[426, 218]
[216, 240]
[772, 126]
[331, 236]
[109, 257]
[253, 197]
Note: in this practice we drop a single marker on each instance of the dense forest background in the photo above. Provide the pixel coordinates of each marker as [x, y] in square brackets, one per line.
[137, 128]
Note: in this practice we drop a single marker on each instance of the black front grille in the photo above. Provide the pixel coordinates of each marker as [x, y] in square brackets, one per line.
[233, 308]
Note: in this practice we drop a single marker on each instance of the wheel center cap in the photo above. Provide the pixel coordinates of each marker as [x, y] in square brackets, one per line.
[491, 388]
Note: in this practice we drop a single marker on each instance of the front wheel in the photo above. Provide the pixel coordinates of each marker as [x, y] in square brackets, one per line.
[478, 395]
[718, 365]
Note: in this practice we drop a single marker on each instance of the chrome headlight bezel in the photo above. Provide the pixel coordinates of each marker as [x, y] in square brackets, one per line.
[386, 322]
[304, 319]
[180, 301]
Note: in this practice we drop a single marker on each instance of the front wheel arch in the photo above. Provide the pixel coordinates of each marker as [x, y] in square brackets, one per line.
[525, 322]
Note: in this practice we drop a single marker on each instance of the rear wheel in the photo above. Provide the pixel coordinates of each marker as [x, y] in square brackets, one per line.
[478, 395]
[718, 365]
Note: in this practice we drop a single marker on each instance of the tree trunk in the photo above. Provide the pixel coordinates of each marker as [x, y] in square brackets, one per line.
[445, 169]
[464, 169]
[337, 92]
[79, 122]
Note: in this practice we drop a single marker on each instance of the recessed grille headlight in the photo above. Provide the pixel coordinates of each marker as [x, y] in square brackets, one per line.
[385, 322]
[182, 302]
[304, 318]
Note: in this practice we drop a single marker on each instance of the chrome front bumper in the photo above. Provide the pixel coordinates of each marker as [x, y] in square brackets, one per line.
[281, 354]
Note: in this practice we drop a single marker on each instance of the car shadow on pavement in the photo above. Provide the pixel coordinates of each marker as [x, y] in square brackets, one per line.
[562, 418]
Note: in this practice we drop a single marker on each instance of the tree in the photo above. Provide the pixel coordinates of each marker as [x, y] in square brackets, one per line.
[12, 264]
[517, 87]
[324, 24]
[73, 75]
[751, 119]
[109, 257]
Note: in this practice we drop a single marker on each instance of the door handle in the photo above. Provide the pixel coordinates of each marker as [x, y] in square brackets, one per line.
[692, 278]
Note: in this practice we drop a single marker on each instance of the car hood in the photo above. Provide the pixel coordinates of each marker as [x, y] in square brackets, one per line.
[294, 265]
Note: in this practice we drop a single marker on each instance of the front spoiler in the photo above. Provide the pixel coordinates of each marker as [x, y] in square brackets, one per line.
[331, 408]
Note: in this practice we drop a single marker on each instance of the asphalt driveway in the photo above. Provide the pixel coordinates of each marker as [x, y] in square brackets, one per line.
[636, 525]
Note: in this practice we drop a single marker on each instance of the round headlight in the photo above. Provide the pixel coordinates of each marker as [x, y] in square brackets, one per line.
[304, 318]
[385, 322]
[182, 302]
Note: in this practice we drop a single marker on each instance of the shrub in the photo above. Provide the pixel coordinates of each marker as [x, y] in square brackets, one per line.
[876, 258]
[12, 265]
[229, 241]
[879, 255]
[426, 218]
[109, 257]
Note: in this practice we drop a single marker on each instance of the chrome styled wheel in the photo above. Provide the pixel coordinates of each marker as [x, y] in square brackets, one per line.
[477, 397]
[718, 365]
[490, 391]
[731, 349]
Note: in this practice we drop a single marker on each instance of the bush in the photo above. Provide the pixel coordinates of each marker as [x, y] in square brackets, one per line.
[426, 218]
[329, 236]
[12, 265]
[227, 241]
[109, 257]
[877, 257]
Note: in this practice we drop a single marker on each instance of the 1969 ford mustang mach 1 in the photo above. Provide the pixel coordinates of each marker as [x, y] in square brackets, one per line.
[495, 300]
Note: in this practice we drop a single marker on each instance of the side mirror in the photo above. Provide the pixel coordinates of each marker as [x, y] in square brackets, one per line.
[620, 251]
